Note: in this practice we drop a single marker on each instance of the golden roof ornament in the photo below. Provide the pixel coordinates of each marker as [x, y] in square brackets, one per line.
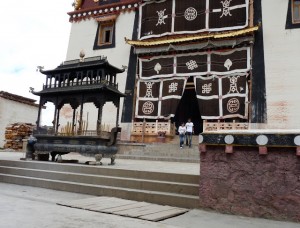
[77, 4]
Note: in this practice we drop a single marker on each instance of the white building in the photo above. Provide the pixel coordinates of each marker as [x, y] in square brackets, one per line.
[14, 109]
[273, 100]
[281, 36]
[99, 28]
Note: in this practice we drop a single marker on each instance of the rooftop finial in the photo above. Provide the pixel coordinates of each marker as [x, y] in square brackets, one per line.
[39, 68]
[81, 55]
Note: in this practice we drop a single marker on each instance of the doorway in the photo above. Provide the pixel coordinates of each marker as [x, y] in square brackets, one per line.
[188, 108]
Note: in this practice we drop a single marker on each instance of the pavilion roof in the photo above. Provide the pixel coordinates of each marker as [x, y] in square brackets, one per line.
[82, 64]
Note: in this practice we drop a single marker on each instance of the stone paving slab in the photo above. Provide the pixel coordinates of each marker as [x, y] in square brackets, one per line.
[128, 208]
[162, 215]
[101, 205]
[149, 209]
[125, 207]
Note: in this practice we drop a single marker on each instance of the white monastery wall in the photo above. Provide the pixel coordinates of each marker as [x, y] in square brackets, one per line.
[13, 112]
[282, 66]
[82, 37]
[281, 53]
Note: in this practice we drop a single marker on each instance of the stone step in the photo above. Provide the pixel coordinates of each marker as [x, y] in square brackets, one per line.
[159, 152]
[162, 198]
[105, 180]
[195, 139]
[162, 151]
[156, 158]
[150, 154]
[102, 170]
[172, 189]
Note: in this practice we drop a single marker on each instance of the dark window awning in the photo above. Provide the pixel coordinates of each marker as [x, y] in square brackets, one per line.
[106, 18]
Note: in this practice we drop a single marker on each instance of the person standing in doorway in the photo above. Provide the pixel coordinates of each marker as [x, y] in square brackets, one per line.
[189, 132]
[181, 132]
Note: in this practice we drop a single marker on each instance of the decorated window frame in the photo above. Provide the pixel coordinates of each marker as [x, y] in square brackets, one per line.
[105, 36]
[296, 11]
[291, 22]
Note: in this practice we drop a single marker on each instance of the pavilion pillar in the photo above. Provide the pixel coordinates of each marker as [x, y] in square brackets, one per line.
[47, 79]
[39, 115]
[99, 119]
[50, 82]
[61, 80]
[73, 120]
[67, 80]
[57, 120]
[118, 112]
[54, 119]
[77, 79]
[80, 119]
[117, 121]
[102, 78]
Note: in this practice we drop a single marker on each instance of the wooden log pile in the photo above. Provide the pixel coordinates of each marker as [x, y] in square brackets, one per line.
[15, 133]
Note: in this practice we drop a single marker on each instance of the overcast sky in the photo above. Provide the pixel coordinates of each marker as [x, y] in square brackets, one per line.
[33, 33]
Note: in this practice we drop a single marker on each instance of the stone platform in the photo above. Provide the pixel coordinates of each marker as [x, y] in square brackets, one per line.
[169, 151]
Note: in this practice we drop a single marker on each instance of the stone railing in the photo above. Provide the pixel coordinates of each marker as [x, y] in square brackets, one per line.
[153, 128]
[93, 133]
[217, 126]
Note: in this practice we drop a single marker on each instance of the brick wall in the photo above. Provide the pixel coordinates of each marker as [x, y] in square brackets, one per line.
[246, 183]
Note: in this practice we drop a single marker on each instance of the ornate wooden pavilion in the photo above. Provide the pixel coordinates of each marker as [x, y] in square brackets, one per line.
[76, 82]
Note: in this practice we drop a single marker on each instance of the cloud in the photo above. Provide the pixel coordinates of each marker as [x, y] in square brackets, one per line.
[33, 33]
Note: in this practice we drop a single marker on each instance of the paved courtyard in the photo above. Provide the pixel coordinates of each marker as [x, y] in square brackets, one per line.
[30, 207]
[24, 206]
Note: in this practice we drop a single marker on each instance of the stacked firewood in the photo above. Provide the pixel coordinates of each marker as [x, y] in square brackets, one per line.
[15, 133]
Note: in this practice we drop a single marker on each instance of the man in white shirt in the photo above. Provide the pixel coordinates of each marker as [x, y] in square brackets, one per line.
[189, 132]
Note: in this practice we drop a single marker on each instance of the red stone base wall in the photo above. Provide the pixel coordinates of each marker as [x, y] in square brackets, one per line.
[246, 183]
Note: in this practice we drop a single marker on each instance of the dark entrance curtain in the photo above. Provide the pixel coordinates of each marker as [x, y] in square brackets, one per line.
[228, 14]
[192, 64]
[157, 67]
[220, 79]
[156, 18]
[158, 98]
[237, 60]
[221, 97]
[190, 15]
[200, 63]
[168, 17]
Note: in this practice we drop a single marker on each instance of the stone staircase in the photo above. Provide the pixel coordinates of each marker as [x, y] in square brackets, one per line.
[180, 190]
[160, 151]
